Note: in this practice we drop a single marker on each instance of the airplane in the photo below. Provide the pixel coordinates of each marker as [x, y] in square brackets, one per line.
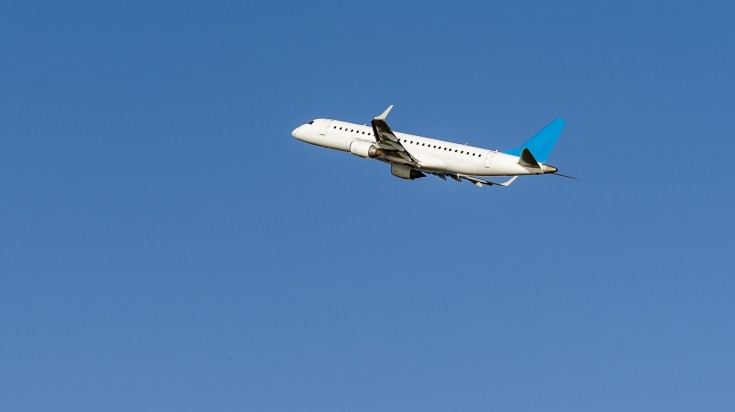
[413, 157]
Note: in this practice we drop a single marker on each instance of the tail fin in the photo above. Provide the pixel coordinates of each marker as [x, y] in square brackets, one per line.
[542, 142]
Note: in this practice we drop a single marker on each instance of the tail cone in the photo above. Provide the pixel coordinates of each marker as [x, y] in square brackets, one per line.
[549, 169]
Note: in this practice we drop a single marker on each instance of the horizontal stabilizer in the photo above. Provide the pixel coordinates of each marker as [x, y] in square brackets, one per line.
[527, 160]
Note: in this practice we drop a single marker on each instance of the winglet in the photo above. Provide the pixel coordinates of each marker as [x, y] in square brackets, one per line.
[384, 114]
[479, 182]
[508, 182]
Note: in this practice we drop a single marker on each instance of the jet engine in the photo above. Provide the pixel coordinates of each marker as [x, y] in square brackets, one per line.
[405, 172]
[365, 149]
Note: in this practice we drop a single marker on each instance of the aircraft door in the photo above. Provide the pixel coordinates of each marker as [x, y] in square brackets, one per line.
[325, 126]
[489, 159]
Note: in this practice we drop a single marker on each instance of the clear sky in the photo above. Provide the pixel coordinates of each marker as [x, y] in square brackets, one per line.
[165, 244]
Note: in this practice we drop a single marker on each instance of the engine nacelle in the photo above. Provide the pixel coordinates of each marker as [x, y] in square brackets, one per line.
[365, 149]
[405, 172]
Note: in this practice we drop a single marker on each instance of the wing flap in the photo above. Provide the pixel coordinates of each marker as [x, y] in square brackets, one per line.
[388, 145]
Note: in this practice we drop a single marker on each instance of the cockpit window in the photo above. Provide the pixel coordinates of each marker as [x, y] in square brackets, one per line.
[311, 122]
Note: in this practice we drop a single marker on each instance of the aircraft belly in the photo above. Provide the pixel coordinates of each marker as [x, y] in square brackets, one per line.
[465, 166]
[504, 166]
[430, 163]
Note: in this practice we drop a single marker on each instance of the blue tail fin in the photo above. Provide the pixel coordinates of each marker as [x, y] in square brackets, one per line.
[542, 142]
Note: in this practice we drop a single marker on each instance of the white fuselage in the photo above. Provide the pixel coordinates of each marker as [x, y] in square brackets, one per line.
[433, 155]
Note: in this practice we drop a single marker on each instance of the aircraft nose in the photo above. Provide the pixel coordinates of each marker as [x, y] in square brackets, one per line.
[296, 133]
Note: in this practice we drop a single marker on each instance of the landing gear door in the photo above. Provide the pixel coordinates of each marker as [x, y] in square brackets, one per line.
[325, 126]
[489, 159]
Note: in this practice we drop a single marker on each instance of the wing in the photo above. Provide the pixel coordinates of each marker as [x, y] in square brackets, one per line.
[387, 140]
[474, 179]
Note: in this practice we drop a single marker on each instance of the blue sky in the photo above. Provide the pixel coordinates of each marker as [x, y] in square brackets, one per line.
[165, 244]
